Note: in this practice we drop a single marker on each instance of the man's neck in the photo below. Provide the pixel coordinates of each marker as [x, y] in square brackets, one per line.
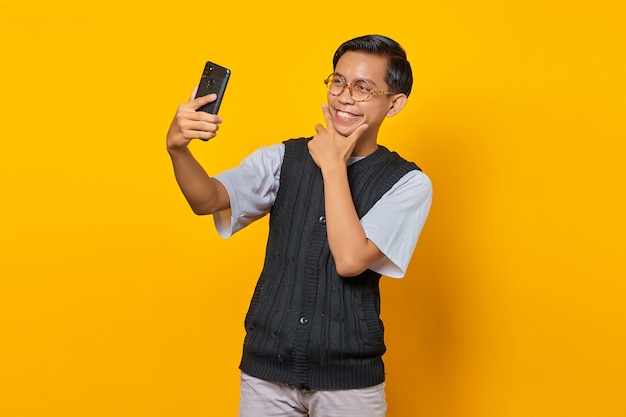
[365, 147]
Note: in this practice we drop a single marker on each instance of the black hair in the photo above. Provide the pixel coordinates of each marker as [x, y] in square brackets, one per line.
[399, 74]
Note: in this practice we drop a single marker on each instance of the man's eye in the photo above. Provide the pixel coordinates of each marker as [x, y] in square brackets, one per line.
[362, 87]
[338, 82]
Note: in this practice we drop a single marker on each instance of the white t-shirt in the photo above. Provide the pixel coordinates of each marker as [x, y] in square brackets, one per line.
[393, 224]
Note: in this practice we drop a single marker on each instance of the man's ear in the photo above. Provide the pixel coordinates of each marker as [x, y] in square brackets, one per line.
[398, 102]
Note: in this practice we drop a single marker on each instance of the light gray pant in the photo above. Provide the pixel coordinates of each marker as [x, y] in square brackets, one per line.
[261, 398]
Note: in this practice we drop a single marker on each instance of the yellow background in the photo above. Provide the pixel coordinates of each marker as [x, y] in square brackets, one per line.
[115, 300]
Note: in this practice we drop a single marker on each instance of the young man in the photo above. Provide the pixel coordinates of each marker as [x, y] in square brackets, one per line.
[343, 211]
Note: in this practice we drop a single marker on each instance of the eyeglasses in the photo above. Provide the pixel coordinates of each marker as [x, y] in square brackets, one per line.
[360, 90]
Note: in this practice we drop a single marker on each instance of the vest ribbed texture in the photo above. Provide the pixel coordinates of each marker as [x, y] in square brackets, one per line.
[306, 325]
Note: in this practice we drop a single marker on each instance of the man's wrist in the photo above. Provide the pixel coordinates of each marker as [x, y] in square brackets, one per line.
[179, 150]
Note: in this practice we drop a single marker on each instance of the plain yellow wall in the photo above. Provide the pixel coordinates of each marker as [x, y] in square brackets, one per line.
[115, 300]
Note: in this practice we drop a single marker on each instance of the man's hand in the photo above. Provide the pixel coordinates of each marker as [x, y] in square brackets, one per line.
[189, 124]
[204, 194]
[329, 148]
[352, 250]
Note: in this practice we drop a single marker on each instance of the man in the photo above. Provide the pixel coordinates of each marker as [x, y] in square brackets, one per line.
[343, 211]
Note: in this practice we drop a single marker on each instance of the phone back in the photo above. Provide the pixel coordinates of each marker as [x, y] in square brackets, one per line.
[213, 81]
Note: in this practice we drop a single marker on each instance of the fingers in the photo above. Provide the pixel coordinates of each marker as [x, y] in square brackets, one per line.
[198, 125]
[190, 124]
[195, 103]
[358, 132]
[193, 93]
[328, 118]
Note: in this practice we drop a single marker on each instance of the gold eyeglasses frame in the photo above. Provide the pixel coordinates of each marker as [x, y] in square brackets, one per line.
[329, 86]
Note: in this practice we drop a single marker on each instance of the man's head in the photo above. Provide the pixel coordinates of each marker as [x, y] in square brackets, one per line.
[371, 81]
[399, 74]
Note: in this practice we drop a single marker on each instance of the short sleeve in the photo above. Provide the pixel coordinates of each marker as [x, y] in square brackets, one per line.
[395, 222]
[252, 187]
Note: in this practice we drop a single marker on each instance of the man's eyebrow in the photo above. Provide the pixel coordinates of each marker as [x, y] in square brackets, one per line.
[372, 82]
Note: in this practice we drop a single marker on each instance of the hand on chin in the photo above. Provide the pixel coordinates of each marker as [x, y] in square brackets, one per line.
[346, 131]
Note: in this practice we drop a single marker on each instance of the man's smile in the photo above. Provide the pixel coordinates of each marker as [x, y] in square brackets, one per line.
[345, 115]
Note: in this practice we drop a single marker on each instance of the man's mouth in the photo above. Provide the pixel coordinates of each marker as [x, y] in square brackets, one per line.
[346, 115]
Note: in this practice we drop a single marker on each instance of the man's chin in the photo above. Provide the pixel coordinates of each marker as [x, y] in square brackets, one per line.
[345, 132]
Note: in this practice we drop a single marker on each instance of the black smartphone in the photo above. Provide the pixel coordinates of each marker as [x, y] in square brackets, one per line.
[214, 81]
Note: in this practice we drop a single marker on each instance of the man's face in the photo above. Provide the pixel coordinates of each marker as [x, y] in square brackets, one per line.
[347, 113]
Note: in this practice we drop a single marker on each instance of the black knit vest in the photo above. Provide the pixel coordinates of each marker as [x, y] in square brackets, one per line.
[306, 325]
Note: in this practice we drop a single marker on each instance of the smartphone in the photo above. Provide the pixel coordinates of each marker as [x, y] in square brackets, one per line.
[213, 81]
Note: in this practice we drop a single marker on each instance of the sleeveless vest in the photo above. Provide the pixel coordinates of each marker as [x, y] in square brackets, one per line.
[306, 325]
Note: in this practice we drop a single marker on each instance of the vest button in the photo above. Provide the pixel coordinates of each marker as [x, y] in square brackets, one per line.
[322, 219]
[304, 320]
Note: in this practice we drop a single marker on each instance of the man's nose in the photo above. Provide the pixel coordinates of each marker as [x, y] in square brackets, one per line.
[346, 95]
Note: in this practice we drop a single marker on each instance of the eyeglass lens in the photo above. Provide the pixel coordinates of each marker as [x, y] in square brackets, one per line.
[360, 90]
